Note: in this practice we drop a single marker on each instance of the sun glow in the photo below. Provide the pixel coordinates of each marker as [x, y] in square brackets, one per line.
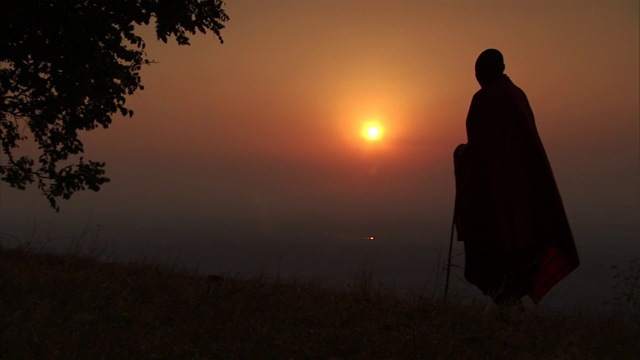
[372, 131]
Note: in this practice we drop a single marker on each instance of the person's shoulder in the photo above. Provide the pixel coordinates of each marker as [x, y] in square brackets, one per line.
[483, 95]
[512, 85]
[518, 92]
[479, 94]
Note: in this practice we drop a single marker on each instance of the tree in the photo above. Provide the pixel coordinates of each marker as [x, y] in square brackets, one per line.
[68, 66]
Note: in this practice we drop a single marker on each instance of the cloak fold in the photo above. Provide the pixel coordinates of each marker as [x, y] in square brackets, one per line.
[509, 212]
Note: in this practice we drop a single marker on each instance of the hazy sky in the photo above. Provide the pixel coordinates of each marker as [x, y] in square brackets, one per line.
[267, 126]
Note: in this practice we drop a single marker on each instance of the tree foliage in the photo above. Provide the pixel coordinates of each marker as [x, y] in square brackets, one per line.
[68, 66]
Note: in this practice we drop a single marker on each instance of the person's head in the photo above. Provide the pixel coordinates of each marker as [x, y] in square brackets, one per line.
[489, 66]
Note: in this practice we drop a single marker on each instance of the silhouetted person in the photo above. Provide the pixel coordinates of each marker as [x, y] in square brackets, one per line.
[508, 209]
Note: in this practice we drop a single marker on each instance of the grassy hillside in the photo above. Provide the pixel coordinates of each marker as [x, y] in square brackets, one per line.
[73, 307]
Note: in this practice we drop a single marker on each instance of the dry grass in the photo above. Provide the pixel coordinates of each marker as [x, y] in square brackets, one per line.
[74, 307]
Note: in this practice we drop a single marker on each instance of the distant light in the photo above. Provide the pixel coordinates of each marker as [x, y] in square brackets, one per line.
[371, 237]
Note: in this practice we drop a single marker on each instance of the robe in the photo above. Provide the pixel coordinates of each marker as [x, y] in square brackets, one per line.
[509, 213]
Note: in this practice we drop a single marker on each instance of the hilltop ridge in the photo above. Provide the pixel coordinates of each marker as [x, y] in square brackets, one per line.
[62, 306]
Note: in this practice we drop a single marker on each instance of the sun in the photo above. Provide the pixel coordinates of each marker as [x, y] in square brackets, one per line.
[372, 131]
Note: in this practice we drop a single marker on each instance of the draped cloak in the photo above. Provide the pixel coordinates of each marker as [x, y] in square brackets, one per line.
[508, 209]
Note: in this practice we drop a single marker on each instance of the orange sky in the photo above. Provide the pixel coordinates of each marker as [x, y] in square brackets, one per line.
[267, 126]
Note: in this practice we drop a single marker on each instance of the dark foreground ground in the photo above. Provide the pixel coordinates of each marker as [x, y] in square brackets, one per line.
[74, 307]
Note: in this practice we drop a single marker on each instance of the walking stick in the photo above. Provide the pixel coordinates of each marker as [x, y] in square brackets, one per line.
[456, 159]
[446, 285]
